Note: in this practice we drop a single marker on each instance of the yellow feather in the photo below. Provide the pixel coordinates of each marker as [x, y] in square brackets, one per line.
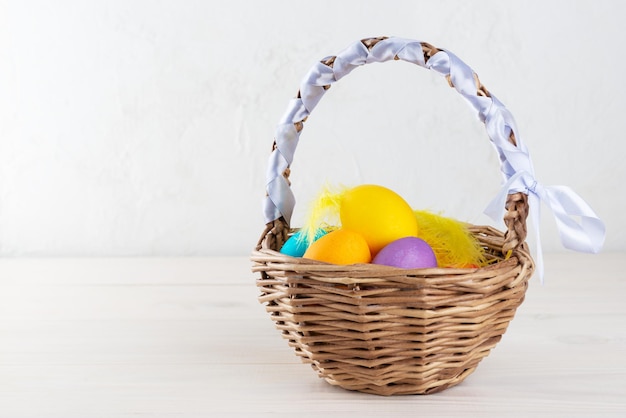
[323, 212]
[451, 241]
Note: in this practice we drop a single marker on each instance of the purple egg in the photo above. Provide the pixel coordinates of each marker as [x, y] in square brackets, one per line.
[407, 253]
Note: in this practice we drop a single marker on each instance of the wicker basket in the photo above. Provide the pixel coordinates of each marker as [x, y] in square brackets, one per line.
[380, 329]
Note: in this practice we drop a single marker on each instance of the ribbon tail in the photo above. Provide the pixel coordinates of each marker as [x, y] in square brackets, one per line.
[579, 227]
[535, 215]
[496, 209]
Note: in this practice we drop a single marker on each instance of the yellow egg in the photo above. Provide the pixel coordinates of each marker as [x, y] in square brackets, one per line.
[340, 246]
[379, 214]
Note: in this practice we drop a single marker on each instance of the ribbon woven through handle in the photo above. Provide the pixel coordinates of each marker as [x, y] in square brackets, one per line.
[586, 235]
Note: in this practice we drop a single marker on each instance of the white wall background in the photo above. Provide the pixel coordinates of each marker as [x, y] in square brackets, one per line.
[142, 127]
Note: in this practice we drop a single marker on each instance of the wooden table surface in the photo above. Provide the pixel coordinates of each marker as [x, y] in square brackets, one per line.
[186, 337]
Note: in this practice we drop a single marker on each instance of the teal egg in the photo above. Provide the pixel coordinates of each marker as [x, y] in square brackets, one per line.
[296, 245]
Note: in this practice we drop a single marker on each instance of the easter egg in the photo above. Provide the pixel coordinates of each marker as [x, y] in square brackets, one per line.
[341, 246]
[378, 213]
[407, 253]
[297, 244]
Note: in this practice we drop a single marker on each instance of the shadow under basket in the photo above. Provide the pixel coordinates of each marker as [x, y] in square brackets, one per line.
[380, 329]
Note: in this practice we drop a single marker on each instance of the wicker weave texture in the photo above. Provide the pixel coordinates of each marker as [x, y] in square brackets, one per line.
[389, 331]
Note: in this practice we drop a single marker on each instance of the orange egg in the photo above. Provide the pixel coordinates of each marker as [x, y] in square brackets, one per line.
[341, 246]
[379, 214]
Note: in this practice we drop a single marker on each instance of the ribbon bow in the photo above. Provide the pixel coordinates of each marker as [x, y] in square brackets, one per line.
[579, 227]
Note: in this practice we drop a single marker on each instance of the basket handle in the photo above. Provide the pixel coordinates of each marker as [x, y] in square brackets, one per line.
[279, 200]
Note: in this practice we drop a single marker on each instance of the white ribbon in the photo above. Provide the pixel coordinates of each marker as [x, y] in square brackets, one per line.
[586, 235]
